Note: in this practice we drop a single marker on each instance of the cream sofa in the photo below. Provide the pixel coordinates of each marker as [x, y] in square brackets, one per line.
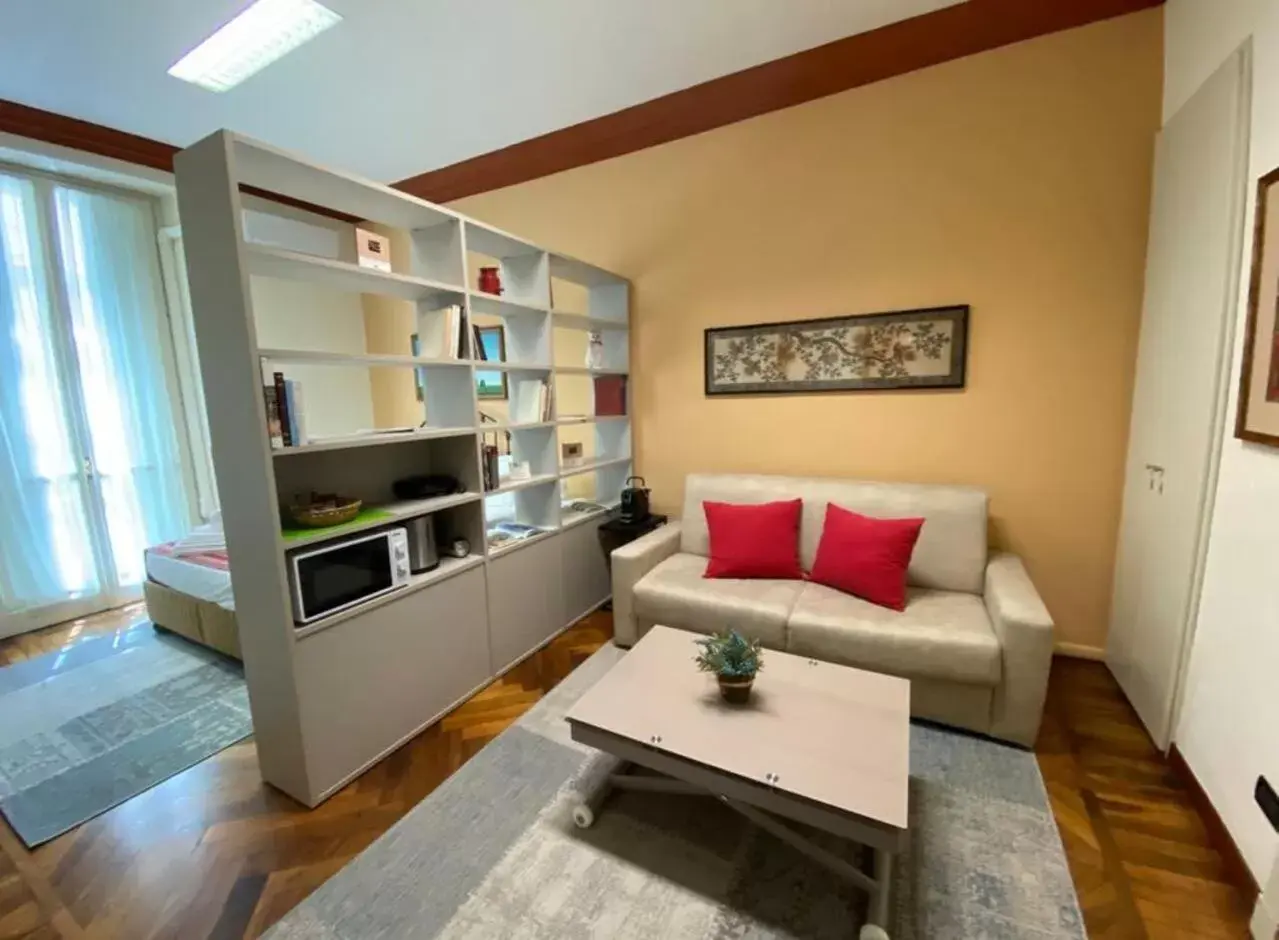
[975, 639]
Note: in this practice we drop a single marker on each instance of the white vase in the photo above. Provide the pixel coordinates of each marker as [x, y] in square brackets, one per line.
[594, 350]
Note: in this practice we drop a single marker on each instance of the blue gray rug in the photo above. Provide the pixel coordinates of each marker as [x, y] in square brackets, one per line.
[86, 728]
[493, 853]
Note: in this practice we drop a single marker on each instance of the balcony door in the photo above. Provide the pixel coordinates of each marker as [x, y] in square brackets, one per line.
[92, 467]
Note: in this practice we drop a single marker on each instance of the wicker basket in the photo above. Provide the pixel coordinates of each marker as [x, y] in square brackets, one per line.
[327, 513]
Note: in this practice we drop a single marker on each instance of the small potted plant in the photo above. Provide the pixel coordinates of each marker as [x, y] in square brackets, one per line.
[733, 660]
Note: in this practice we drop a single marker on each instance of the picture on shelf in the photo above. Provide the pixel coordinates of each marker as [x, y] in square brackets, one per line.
[492, 348]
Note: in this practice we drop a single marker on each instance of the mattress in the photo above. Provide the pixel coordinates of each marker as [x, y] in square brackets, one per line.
[195, 565]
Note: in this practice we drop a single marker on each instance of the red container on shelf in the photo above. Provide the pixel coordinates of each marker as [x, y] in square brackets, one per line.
[490, 281]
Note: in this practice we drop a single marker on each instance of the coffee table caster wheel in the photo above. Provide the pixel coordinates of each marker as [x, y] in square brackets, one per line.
[583, 816]
[871, 932]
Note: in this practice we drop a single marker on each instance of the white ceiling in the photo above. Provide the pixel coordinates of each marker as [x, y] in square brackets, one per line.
[404, 86]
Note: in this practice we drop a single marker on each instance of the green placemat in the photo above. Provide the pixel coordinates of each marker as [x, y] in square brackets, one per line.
[364, 518]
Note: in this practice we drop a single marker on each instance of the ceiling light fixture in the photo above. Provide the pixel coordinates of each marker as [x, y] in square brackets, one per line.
[260, 34]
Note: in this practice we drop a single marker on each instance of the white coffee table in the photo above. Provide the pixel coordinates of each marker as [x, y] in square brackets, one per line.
[819, 744]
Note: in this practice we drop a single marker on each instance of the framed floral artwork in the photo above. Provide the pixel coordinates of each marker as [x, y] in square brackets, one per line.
[904, 349]
[1257, 418]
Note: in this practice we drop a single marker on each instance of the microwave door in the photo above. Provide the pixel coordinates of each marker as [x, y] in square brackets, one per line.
[339, 576]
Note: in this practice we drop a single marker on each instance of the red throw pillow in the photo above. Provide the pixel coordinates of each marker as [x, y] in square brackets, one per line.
[759, 541]
[866, 557]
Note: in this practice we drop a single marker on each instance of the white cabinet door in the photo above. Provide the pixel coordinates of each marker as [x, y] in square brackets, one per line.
[1192, 266]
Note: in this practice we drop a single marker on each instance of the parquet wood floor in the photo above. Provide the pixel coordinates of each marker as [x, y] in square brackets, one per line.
[213, 853]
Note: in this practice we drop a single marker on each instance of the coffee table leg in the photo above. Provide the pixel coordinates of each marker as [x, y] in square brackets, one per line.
[591, 794]
[877, 915]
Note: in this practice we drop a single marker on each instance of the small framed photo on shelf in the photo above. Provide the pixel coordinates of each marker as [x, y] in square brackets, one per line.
[571, 454]
[491, 347]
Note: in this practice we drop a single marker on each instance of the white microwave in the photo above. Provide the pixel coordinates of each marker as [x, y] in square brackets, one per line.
[340, 574]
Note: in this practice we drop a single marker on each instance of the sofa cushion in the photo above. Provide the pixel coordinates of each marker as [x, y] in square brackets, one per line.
[676, 593]
[756, 540]
[866, 557]
[949, 556]
[940, 634]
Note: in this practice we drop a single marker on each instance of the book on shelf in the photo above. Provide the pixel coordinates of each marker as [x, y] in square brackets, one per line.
[440, 333]
[273, 429]
[492, 479]
[478, 340]
[534, 401]
[282, 403]
[295, 405]
[610, 396]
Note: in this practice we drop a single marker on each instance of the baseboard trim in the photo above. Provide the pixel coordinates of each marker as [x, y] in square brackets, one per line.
[1080, 651]
[1236, 869]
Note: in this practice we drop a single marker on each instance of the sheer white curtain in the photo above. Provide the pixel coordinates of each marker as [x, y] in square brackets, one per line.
[91, 470]
[44, 536]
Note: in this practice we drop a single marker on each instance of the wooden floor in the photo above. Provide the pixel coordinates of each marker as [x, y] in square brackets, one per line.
[1140, 855]
[213, 853]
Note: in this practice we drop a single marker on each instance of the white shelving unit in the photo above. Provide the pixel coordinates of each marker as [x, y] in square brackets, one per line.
[332, 697]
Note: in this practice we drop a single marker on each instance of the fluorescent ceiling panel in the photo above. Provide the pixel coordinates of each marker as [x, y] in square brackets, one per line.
[262, 33]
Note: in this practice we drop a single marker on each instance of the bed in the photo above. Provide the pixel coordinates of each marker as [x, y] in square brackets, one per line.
[188, 589]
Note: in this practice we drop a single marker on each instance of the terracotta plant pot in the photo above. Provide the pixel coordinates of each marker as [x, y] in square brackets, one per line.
[736, 689]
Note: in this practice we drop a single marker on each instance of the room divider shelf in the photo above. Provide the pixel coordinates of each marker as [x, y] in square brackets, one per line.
[574, 420]
[583, 370]
[593, 465]
[578, 321]
[268, 261]
[331, 698]
[492, 305]
[356, 359]
[448, 568]
[374, 440]
[514, 545]
[290, 174]
[390, 513]
[516, 485]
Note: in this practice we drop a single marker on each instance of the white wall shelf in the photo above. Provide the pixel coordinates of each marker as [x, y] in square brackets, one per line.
[269, 261]
[331, 698]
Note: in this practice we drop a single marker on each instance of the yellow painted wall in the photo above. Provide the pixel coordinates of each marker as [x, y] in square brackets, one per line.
[1016, 181]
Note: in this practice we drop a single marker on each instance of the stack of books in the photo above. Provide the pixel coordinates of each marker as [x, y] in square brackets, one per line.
[285, 412]
[534, 401]
[442, 334]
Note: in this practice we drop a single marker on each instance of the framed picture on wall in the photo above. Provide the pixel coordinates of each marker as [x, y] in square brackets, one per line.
[905, 349]
[492, 348]
[1258, 416]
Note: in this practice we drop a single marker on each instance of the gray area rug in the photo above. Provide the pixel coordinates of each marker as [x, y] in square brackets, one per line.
[88, 727]
[493, 853]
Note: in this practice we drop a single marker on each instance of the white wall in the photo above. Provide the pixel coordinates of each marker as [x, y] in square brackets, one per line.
[1227, 729]
[295, 315]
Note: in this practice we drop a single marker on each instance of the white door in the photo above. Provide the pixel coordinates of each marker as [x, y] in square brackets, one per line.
[1192, 265]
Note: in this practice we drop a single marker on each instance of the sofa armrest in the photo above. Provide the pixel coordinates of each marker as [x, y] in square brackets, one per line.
[630, 563]
[1025, 631]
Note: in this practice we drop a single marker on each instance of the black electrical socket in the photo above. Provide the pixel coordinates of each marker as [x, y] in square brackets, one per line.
[1268, 801]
